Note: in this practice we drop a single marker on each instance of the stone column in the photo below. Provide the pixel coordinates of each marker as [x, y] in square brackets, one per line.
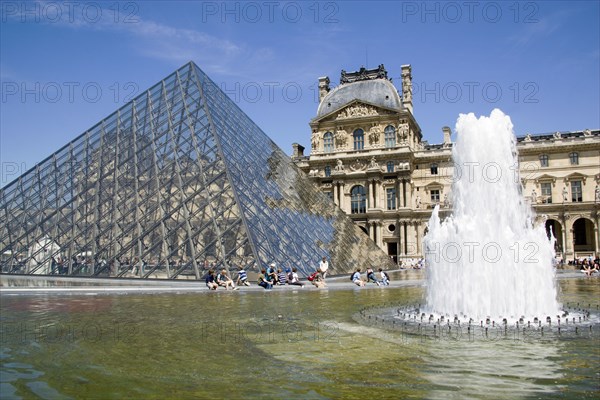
[371, 196]
[597, 233]
[342, 200]
[418, 238]
[570, 248]
[334, 185]
[379, 232]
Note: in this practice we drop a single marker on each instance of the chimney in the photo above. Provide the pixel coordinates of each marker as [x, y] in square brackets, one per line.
[323, 87]
[447, 132]
[407, 87]
[298, 150]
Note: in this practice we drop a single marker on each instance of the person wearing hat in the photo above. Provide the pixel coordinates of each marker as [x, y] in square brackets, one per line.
[272, 274]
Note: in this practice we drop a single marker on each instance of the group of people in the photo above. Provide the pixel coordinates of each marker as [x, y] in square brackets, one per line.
[590, 266]
[358, 280]
[271, 276]
[221, 279]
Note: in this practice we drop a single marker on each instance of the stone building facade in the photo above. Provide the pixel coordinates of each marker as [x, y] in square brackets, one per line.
[368, 155]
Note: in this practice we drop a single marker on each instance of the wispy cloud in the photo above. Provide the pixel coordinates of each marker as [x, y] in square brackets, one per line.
[534, 32]
[150, 38]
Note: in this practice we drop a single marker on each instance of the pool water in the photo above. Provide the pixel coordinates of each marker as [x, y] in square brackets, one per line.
[301, 344]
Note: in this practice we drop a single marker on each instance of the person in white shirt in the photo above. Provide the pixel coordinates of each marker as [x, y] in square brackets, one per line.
[323, 267]
[357, 279]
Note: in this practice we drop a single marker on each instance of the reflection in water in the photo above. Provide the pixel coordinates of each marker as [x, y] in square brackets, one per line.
[491, 369]
[184, 345]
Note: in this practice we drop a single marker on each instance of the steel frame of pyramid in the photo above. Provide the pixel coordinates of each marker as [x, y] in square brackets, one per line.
[175, 182]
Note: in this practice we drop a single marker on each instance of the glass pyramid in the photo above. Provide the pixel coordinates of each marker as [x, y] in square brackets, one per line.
[173, 183]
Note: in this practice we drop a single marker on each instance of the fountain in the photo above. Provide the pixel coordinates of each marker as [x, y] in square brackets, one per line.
[488, 260]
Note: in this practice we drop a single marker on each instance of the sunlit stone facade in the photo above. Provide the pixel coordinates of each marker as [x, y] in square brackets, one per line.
[368, 155]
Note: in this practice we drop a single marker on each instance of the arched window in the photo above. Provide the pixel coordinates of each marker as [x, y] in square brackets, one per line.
[359, 200]
[359, 139]
[574, 158]
[328, 142]
[390, 136]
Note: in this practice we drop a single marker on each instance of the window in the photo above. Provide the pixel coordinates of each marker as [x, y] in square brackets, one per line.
[327, 171]
[435, 196]
[391, 198]
[359, 139]
[390, 136]
[544, 160]
[434, 169]
[576, 194]
[390, 166]
[330, 195]
[358, 202]
[547, 192]
[328, 142]
[574, 158]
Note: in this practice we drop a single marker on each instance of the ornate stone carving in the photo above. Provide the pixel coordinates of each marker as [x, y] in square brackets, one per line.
[556, 135]
[373, 164]
[339, 166]
[403, 130]
[358, 110]
[341, 138]
[527, 138]
[587, 132]
[374, 134]
[357, 165]
[315, 141]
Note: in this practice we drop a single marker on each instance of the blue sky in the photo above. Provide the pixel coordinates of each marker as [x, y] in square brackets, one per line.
[66, 65]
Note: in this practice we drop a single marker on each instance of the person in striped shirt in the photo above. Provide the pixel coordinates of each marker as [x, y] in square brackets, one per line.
[281, 277]
[242, 278]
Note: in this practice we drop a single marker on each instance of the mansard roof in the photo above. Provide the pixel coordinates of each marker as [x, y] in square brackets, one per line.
[371, 86]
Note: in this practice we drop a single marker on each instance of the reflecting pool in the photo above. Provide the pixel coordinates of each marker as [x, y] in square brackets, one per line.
[301, 344]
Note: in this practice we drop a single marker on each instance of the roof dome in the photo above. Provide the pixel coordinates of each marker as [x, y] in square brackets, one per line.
[379, 92]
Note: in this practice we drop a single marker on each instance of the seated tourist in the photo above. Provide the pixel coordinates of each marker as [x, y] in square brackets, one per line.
[384, 277]
[242, 278]
[371, 276]
[210, 280]
[295, 280]
[224, 280]
[263, 281]
[281, 277]
[317, 279]
[357, 279]
[272, 274]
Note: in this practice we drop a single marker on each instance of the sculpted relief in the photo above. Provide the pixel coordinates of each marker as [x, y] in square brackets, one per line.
[374, 134]
[358, 110]
[341, 138]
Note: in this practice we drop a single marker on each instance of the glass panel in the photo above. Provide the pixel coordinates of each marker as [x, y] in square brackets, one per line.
[391, 198]
[576, 192]
[390, 136]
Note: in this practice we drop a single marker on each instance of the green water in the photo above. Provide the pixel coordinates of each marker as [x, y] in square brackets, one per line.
[295, 345]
